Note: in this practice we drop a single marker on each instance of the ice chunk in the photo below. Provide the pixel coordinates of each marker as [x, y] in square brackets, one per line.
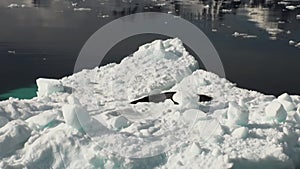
[240, 133]
[119, 122]
[276, 111]
[293, 116]
[82, 9]
[297, 16]
[75, 115]
[237, 115]
[73, 100]
[48, 86]
[12, 136]
[286, 97]
[291, 42]
[288, 106]
[291, 7]
[195, 149]
[287, 102]
[13, 6]
[43, 119]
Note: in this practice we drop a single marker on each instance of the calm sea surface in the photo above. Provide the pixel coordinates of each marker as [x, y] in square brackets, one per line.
[42, 38]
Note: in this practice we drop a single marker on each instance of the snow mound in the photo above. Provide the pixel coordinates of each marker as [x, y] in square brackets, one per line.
[12, 136]
[95, 126]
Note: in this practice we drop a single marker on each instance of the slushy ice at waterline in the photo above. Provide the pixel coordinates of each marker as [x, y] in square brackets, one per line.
[87, 120]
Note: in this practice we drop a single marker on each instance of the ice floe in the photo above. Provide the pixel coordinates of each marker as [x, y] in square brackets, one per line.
[82, 9]
[94, 125]
[243, 35]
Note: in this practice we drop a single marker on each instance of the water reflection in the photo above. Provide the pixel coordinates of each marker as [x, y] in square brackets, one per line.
[41, 3]
[49, 33]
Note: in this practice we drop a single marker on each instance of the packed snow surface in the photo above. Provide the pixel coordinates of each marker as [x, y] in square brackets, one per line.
[86, 120]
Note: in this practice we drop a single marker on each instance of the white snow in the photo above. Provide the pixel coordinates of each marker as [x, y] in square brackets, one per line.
[12, 136]
[95, 126]
[191, 115]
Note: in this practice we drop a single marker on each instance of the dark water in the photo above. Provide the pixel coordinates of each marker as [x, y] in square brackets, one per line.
[43, 39]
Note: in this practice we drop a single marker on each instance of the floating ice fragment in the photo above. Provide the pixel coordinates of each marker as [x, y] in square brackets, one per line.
[226, 10]
[82, 9]
[206, 6]
[13, 6]
[74, 4]
[283, 3]
[273, 38]
[297, 16]
[105, 16]
[243, 35]
[250, 36]
[291, 7]
[11, 52]
[291, 42]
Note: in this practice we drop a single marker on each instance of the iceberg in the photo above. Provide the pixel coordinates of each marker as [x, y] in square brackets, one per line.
[96, 126]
